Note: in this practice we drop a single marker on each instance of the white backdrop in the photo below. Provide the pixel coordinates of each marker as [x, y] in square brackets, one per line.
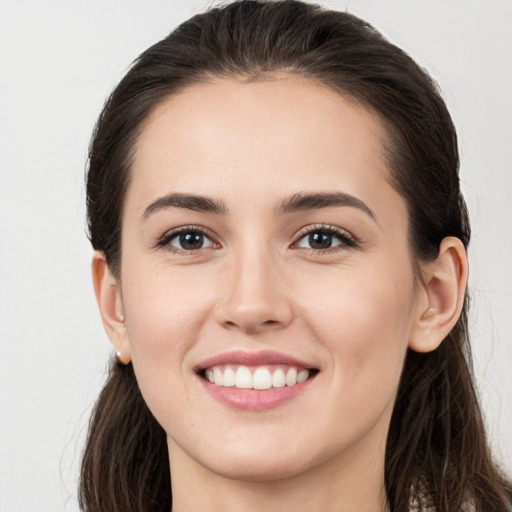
[59, 60]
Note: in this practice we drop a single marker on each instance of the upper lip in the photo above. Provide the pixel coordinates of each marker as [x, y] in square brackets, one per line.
[259, 358]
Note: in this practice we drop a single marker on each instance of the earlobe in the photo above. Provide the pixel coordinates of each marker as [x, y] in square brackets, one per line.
[443, 291]
[108, 297]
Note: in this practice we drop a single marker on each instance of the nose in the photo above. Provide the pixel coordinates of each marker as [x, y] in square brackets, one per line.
[254, 297]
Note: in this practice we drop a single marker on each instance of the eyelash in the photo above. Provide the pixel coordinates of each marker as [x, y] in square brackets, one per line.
[346, 239]
[165, 240]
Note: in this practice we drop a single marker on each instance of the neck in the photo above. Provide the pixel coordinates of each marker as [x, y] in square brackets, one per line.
[341, 484]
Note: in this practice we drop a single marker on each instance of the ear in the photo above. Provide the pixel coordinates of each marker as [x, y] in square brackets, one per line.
[442, 296]
[108, 296]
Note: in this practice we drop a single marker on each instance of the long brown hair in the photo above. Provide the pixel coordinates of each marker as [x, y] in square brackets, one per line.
[437, 454]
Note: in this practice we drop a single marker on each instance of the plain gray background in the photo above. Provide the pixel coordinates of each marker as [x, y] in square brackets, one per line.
[59, 60]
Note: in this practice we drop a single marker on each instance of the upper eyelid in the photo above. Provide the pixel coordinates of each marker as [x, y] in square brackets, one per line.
[324, 227]
[348, 240]
[171, 233]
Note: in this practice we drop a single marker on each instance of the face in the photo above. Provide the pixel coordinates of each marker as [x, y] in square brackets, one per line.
[263, 247]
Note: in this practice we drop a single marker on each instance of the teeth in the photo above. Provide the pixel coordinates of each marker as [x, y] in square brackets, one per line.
[261, 378]
[217, 377]
[229, 378]
[302, 376]
[291, 377]
[278, 379]
[243, 378]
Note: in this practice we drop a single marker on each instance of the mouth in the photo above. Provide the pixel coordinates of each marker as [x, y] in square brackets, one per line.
[256, 377]
[255, 380]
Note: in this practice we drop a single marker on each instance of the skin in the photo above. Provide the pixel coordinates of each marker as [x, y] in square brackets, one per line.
[349, 311]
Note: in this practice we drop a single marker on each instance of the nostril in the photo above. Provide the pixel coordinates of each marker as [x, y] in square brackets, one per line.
[252, 325]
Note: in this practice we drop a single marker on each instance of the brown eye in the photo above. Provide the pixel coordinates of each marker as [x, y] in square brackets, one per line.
[322, 239]
[189, 241]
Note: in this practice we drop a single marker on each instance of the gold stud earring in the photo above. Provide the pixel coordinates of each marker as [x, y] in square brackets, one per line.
[118, 357]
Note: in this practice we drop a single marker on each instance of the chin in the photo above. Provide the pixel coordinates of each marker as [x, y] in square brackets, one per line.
[271, 456]
[260, 469]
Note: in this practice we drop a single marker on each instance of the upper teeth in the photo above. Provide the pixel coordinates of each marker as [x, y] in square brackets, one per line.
[261, 377]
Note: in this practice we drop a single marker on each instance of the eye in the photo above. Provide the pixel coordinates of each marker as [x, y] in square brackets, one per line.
[186, 240]
[324, 238]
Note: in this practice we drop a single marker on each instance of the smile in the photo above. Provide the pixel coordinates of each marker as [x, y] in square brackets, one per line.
[255, 380]
[256, 377]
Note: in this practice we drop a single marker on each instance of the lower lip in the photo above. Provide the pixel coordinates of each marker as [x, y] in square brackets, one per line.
[254, 399]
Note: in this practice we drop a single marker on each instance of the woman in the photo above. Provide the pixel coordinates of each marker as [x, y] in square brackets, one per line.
[280, 264]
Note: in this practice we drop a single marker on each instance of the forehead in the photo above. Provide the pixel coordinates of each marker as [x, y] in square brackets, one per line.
[270, 137]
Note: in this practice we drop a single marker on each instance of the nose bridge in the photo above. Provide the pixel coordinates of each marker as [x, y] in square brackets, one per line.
[254, 297]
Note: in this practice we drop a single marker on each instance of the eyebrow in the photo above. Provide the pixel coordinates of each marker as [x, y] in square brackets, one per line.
[195, 203]
[302, 201]
[297, 202]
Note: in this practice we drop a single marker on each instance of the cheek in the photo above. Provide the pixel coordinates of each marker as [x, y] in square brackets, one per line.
[365, 322]
[164, 310]
[361, 303]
